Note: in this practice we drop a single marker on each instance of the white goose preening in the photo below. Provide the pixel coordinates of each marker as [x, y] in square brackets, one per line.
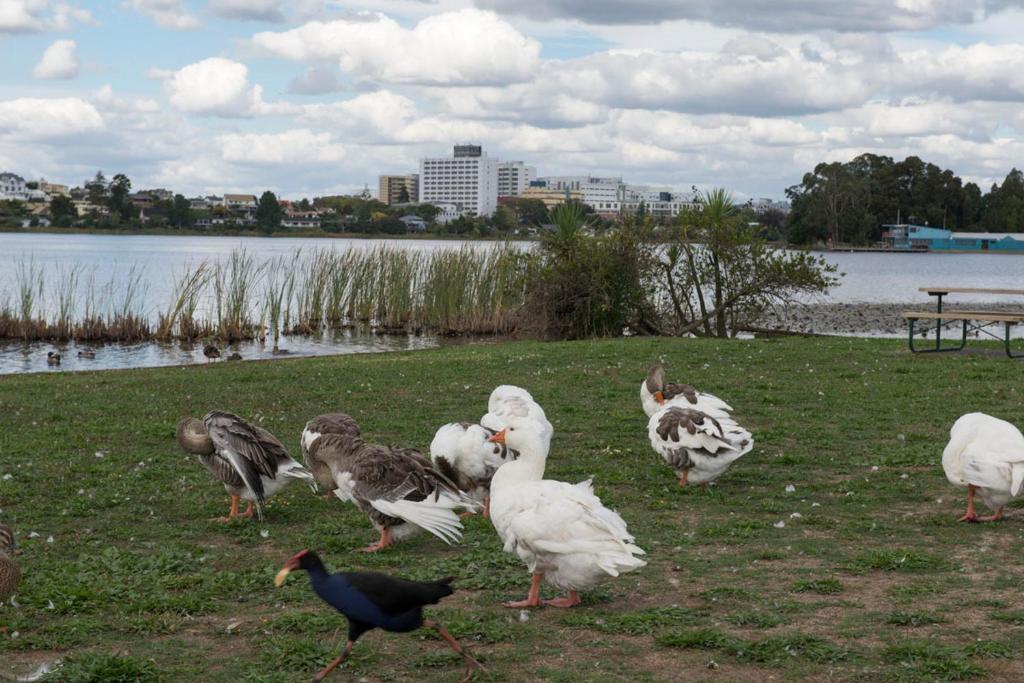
[655, 393]
[986, 455]
[507, 402]
[330, 423]
[251, 463]
[699, 447]
[398, 488]
[563, 532]
[463, 453]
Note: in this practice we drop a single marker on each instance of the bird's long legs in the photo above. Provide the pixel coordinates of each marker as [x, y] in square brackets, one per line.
[532, 598]
[234, 513]
[455, 645]
[685, 477]
[333, 665]
[384, 542]
[971, 515]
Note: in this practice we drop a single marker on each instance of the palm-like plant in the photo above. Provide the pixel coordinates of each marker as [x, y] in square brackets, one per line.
[570, 222]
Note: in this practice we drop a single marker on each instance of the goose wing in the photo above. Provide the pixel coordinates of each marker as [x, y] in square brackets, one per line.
[680, 434]
[250, 450]
[402, 483]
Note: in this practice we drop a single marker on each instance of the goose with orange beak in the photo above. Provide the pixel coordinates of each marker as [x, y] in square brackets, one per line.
[656, 393]
[370, 600]
[562, 532]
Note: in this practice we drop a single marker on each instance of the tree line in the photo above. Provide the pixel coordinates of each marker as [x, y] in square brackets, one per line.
[847, 203]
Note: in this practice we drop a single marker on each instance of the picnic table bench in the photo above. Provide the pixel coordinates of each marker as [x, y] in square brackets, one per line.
[970, 320]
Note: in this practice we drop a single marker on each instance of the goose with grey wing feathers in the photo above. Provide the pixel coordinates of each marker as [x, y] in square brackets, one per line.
[250, 461]
[656, 393]
[398, 489]
[699, 447]
[329, 423]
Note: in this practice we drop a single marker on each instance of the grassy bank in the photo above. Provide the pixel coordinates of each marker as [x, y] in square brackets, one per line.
[869, 578]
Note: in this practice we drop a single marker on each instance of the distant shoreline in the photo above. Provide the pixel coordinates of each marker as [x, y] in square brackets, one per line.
[167, 232]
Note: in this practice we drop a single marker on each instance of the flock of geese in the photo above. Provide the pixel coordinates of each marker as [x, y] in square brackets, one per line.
[561, 531]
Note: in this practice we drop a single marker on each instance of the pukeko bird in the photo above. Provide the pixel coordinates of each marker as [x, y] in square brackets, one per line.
[370, 600]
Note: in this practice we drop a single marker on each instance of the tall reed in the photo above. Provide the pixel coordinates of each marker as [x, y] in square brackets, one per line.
[461, 290]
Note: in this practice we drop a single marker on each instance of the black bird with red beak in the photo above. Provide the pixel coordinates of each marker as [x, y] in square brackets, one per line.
[370, 600]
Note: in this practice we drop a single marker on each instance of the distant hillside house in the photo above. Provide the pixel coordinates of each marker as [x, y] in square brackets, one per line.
[54, 189]
[240, 201]
[14, 188]
[414, 223]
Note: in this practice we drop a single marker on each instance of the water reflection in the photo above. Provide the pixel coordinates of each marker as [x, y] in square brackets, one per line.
[18, 358]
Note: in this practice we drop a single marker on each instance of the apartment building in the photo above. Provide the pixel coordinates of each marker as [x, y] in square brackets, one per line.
[399, 189]
[468, 179]
[514, 177]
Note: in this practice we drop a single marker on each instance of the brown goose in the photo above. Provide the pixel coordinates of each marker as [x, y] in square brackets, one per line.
[211, 352]
[10, 574]
[250, 461]
[655, 393]
[331, 423]
[398, 488]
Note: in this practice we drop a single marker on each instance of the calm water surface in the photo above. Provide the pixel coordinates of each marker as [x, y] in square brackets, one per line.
[868, 277]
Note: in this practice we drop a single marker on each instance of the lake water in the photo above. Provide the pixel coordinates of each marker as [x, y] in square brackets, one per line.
[868, 277]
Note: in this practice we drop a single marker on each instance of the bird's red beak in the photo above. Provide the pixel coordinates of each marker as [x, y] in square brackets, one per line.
[659, 396]
[498, 438]
[291, 565]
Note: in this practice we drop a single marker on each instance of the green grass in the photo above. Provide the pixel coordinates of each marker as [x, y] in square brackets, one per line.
[138, 584]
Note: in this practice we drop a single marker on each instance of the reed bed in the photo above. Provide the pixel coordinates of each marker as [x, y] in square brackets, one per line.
[387, 289]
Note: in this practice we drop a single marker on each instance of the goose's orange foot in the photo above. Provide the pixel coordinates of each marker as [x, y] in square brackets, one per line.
[571, 600]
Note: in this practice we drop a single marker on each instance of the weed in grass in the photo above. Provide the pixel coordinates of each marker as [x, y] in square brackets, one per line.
[990, 649]
[897, 561]
[819, 586]
[758, 619]
[643, 622]
[698, 639]
[780, 649]
[913, 619]
[105, 668]
[1012, 616]
[926, 660]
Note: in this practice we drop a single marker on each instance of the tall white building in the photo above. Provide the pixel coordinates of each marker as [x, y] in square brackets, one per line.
[467, 179]
[514, 177]
[13, 187]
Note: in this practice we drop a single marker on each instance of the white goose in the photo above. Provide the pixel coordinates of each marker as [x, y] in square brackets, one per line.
[655, 394]
[986, 455]
[563, 532]
[507, 402]
[698, 446]
[462, 452]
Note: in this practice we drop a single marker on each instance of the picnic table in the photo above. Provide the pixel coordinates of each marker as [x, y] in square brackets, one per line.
[970, 321]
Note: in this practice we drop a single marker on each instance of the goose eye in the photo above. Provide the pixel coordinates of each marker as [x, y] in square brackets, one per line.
[497, 449]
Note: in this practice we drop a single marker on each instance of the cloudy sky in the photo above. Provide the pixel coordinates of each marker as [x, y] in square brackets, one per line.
[309, 97]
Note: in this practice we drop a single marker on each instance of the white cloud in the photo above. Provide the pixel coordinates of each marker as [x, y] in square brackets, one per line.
[782, 16]
[170, 14]
[59, 61]
[292, 147]
[40, 119]
[33, 16]
[383, 112]
[252, 10]
[454, 48]
[216, 87]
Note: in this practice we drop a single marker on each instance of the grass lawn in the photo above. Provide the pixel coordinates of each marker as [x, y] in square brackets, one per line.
[860, 574]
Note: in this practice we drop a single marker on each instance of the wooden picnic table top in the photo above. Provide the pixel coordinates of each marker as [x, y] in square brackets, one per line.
[970, 290]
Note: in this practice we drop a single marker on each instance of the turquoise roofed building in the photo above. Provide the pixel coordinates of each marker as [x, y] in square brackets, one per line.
[904, 236]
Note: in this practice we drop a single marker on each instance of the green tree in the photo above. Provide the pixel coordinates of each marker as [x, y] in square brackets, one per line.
[62, 211]
[180, 213]
[719, 275]
[117, 197]
[97, 189]
[269, 212]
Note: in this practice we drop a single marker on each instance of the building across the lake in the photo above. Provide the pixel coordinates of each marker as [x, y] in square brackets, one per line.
[926, 238]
